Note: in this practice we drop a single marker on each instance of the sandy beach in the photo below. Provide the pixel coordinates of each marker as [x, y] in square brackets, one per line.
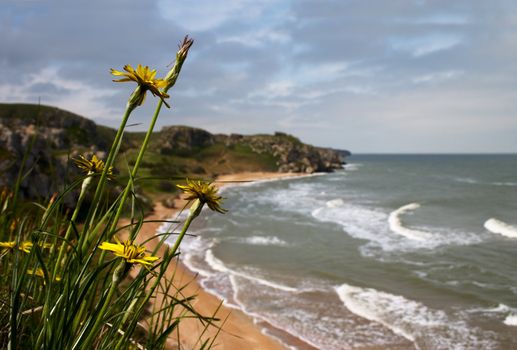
[239, 330]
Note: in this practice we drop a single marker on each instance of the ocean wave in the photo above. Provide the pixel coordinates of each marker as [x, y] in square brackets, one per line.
[397, 227]
[510, 320]
[500, 227]
[413, 320]
[218, 265]
[502, 310]
[334, 203]
[466, 180]
[352, 166]
[264, 241]
[372, 224]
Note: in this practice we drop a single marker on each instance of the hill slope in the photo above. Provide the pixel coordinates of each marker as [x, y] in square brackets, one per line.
[52, 136]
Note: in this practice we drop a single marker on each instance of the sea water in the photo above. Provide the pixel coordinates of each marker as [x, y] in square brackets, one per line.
[395, 251]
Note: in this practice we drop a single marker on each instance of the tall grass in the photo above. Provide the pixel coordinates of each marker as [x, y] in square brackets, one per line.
[67, 284]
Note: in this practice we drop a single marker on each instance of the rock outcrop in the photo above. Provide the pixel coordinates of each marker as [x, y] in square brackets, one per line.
[46, 137]
[290, 153]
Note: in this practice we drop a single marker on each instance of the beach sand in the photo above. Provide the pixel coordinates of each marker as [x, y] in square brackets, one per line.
[239, 330]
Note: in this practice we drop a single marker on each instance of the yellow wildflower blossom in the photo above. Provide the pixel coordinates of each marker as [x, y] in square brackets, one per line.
[145, 78]
[132, 253]
[205, 192]
[92, 166]
[24, 246]
[8, 245]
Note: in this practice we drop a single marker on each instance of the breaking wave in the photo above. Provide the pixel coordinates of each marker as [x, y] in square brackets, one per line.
[502, 228]
[397, 227]
[413, 320]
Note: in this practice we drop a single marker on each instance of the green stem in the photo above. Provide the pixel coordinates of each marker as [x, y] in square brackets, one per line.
[194, 212]
[139, 158]
[102, 181]
[93, 333]
[82, 194]
[195, 209]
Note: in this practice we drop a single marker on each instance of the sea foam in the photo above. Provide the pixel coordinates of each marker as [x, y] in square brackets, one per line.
[502, 228]
[218, 265]
[412, 320]
[264, 241]
[510, 320]
[397, 227]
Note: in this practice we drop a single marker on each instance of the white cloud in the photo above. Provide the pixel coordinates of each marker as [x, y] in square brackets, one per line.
[203, 15]
[258, 38]
[72, 95]
[425, 45]
[437, 77]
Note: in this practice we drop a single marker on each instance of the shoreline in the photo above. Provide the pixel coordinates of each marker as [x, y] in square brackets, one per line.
[239, 330]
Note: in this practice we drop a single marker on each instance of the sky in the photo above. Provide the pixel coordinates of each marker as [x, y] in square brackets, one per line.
[388, 76]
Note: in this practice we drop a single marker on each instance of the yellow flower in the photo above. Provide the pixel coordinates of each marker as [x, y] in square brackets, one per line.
[24, 246]
[92, 166]
[40, 273]
[8, 245]
[144, 77]
[132, 253]
[205, 192]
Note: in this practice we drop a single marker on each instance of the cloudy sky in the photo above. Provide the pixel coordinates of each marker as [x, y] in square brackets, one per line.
[369, 76]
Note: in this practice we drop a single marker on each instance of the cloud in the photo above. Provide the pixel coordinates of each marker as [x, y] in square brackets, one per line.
[365, 75]
[50, 88]
[425, 45]
[437, 77]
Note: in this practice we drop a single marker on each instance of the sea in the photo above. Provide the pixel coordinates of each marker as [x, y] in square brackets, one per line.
[392, 252]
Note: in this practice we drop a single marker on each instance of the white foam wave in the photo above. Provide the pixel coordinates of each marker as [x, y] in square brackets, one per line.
[377, 306]
[218, 265]
[397, 227]
[265, 241]
[371, 224]
[352, 166]
[510, 320]
[412, 320]
[466, 180]
[509, 313]
[498, 309]
[335, 203]
[502, 228]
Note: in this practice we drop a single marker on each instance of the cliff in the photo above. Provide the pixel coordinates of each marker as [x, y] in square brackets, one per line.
[48, 137]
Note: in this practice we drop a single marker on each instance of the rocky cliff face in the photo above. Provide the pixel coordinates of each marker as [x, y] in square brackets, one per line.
[48, 137]
[290, 153]
[183, 139]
